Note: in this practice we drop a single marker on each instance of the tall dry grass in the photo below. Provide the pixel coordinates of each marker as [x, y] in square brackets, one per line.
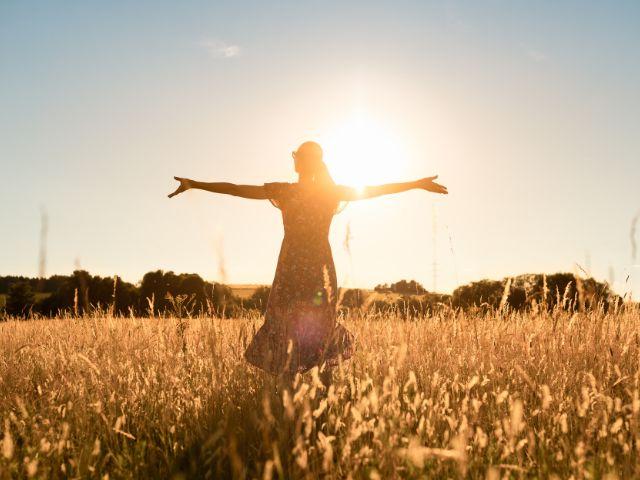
[499, 395]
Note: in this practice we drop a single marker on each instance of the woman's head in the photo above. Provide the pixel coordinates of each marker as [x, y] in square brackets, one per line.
[309, 164]
[307, 158]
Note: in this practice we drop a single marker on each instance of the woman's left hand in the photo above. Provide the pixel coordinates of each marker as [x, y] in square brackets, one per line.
[429, 185]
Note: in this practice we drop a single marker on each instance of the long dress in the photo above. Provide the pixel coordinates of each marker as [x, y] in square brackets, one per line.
[300, 328]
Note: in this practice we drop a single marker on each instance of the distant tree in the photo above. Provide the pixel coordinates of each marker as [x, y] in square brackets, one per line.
[197, 296]
[223, 301]
[155, 286]
[82, 291]
[557, 290]
[404, 287]
[38, 285]
[52, 284]
[259, 299]
[485, 293]
[20, 300]
[7, 281]
[382, 288]
[195, 289]
[409, 306]
[125, 297]
[381, 306]
[59, 301]
[517, 298]
[436, 300]
[191, 284]
[353, 298]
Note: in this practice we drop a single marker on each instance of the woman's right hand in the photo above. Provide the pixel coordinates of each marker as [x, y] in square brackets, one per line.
[185, 184]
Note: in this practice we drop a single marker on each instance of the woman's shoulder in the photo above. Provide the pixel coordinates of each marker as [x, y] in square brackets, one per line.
[279, 184]
[279, 188]
[279, 193]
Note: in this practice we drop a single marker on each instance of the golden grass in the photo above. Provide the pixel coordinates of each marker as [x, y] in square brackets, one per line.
[452, 396]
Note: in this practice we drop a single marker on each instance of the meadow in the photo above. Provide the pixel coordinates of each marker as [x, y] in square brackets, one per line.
[456, 395]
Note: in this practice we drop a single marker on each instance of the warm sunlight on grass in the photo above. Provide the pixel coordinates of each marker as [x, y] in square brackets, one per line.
[363, 151]
[456, 395]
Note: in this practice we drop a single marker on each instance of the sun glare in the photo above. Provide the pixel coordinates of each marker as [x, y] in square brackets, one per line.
[362, 151]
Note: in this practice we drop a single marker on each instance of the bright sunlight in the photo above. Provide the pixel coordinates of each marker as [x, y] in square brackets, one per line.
[363, 151]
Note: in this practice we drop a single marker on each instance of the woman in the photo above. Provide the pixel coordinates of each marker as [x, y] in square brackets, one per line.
[300, 328]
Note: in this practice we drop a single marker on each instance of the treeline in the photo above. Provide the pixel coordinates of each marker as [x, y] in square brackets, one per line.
[535, 292]
[161, 293]
[563, 290]
[158, 293]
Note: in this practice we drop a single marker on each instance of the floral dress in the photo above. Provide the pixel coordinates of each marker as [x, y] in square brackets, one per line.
[300, 328]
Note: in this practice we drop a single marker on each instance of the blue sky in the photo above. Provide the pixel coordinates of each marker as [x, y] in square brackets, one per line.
[528, 111]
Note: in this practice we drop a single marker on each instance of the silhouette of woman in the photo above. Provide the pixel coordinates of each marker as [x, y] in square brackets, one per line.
[300, 328]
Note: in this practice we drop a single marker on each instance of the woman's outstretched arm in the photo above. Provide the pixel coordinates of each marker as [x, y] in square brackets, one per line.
[428, 184]
[256, 192]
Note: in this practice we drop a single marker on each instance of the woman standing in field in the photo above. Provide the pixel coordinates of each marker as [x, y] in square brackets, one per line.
[300, 328]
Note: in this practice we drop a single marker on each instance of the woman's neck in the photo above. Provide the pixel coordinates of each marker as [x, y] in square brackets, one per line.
[305, 180]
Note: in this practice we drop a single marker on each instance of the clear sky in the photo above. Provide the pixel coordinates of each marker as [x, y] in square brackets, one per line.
[528, 111]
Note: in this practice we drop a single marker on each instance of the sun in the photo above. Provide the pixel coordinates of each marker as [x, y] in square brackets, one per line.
[363, 151]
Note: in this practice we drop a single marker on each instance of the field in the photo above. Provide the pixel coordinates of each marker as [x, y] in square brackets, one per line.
[453, 396]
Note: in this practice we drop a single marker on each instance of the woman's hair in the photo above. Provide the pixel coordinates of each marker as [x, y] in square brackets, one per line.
[309, 161]
[322, 177]
[311, 154]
